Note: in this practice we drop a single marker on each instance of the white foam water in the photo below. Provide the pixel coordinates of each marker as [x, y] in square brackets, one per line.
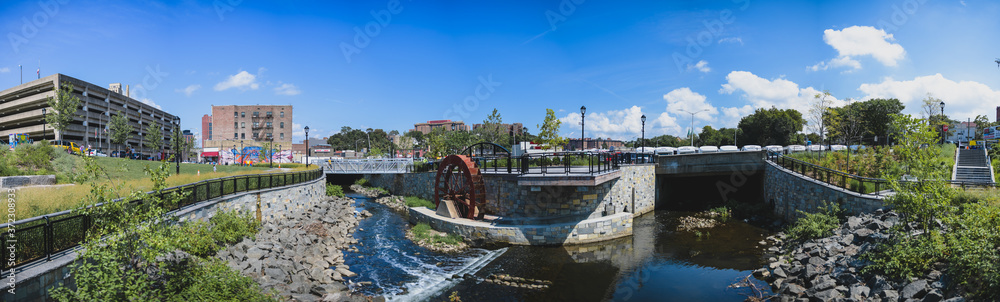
[433, 280]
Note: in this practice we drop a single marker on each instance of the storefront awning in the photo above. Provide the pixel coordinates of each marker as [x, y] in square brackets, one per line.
[210, 154]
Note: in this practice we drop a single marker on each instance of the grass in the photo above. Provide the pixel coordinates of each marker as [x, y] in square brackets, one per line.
[413, 201]
[422, 232]
[37, 201]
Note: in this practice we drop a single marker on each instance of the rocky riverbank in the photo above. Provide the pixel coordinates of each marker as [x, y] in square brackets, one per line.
[397, 203]
[430, 244]
[829, 268]
[366, 191]
[294, 256]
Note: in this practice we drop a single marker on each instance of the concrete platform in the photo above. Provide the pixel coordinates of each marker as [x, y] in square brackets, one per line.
[550, 233]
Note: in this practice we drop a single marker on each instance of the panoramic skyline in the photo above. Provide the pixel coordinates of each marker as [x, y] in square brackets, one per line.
[390, 64]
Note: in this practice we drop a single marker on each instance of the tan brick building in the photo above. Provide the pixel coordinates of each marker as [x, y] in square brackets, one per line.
[252, 125]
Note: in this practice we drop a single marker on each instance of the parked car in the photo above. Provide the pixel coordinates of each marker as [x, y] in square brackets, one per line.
[708, 149]
[666, 150]
[69, 146]
[775, 149]
[645, 150]
[838, 147]
[95, 152]
[815, 148]
[795, 148]
[687, 150]
[751, 148]
[729, 148]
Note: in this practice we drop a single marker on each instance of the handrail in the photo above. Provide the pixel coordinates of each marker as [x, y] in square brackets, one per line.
[66, 229]
[844, 180]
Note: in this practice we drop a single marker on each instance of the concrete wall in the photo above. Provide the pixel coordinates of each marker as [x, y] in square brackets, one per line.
[35, 279]
[709, 163]
[30, 180]
[563, 233]
[790, 192]
[633, 192]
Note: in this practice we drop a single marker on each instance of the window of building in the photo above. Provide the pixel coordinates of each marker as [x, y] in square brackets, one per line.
[236, 114]
[256, 124]
[236, 124]
[282, 135]
[243, 124]
[236, 135]
[282, 125]
[270, 136]
[255, 135]
[269, 125]
[243, 135]
[243, 114]
[269, 114]
[282, 114]
[256, 114]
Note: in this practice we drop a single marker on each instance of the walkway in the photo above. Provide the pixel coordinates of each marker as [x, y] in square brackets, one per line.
[972, 166]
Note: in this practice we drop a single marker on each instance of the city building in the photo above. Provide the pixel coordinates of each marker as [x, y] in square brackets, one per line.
[21, 112]
[251, 125]
[962, 132]
[518, 127]
[589, 143]
[448, 125]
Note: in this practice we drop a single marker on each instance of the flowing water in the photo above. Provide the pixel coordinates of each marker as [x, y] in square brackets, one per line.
[657, 263]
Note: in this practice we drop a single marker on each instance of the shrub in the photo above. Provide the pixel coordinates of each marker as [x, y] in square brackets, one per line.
[422, 232]
[722, 214]
[381, 191]
[232, 226]
[413, 201]
[334, 190]
[905, 256]
[195, 238]
[815, 225]
[361, 182]
[212, 280]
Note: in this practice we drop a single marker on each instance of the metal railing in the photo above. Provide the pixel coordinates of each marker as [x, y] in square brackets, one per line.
[360, 166]
[851, 182]
[42, 236]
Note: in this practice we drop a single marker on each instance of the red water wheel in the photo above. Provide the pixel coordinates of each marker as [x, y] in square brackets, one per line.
[459, 180]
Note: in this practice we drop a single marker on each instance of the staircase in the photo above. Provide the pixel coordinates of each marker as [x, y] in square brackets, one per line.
[972, 166]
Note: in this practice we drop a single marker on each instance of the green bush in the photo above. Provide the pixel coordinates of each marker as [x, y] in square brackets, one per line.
[381, 191]
[334, 190]
[361, 182]
[815, 225]
[195, 238]
[213, 280]
[905, 256]
[722, 214]
[232, 226]
[422, 232]
[413, 201]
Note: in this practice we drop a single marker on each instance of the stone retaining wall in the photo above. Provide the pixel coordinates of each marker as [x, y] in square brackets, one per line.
[586, 231]
[35, 279]
[790, 192]
[28, 180]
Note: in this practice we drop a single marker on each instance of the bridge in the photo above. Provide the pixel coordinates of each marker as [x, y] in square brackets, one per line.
[364, 166]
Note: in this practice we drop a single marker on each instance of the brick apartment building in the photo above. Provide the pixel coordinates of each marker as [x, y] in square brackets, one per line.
[252, 125]
[448, 125]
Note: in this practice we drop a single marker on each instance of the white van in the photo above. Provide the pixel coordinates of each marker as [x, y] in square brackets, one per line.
[838, 147]
[708, 149]
[665, 150]
[795, 148]
[729, 148]
[751, 148]
[775, 149]
[687, 150]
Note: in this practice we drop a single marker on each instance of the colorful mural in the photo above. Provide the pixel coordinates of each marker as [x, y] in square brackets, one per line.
[252, 155]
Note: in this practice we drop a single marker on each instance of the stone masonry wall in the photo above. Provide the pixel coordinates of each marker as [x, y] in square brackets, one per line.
[790, 192]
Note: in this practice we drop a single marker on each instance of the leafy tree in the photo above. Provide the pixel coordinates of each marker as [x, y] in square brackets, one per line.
[876, 117]
[405, 143]
[770, 126]
[436, 142]
[65, 106]
[931, 106]
[492, 131]
[548, 133]
[817, 114]
[982, 122]
[121, 130]
[155, 135]
[418, 138]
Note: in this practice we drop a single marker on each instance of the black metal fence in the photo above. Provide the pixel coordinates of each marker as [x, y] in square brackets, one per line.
[545, 163]
[41, 237]
[851, 182]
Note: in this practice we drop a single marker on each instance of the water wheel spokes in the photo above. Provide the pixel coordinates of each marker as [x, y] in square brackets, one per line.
[459, 180]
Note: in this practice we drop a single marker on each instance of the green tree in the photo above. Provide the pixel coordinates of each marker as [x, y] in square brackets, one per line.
[155, 136]
[548, 131]
[982, 122]
[770, 126]
[64, 106]
[492, 131]
[818, 112]
[121, 130]
[436, 142]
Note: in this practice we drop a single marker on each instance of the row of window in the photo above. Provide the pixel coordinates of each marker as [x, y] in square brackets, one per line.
[255, 136]
[256, 114]
[256, 124]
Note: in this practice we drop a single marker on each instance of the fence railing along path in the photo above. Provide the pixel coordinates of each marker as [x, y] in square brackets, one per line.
[362, 166]
[42, 236]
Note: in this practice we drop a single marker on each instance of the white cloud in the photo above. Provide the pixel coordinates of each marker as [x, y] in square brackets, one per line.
[963, 99]
[287, 89]
[764, 93]
[731, 40]
[683, 99]
[242, 80]
[4, 70]
[857, 41]
[150, 103]
[700, 66]
[189, 90]
[617, 124]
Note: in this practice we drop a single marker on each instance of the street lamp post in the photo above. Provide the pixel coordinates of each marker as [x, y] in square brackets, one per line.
[177, 143]
[270, 159]
[43, 123]
[243, 161]
[583, 118]
[643, 144]
[692, 122]
[943, 122]
[307, 146]
[367, 134]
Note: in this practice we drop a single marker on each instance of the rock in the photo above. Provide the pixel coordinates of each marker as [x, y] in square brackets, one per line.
[934, 295]
[823, 282]
[811, 271]
[255, 253]
[761, 273]
[780, 273]
[955, 299]
[915, 289]
[817, 261]
[860, 292]
[793, 289]
[934, 275]
[853, 223]
[890, 295]
[828, 295]
[863, 233]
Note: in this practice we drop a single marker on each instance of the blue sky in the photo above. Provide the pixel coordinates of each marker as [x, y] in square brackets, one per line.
[427, 60]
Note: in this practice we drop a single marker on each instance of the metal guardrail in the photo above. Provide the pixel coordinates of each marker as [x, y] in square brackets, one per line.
[42, 236]
[851, 182]
[360, 166]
